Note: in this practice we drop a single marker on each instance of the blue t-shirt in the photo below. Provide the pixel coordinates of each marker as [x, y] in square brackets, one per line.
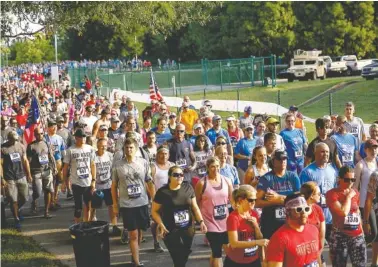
[245, 147]
[346, 148]
[163, 137]
[231, 173]
[57, 144]
[326, 178]
[213, 135]
[294, 142]
[285, 185]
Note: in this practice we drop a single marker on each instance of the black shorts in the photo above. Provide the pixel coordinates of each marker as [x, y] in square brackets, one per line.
[97, 203]
[80, 194]
[217, 240]
[135, 218]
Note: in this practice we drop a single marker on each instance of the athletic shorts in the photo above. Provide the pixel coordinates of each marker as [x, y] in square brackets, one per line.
[135, 218]
[42, 181]
[217, 240]
[107, 199]
[17, 189]
[80, 194]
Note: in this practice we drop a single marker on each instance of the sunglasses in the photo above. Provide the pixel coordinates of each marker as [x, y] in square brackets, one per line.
[221, 143]
[177, 174]
[300, 209]
[349, 180]
[180, 131]
[251, 200]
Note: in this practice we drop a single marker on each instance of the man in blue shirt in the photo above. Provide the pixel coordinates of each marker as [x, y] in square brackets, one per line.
[324, 174]
[216, 131]
[346, 143]
[373, 132]
[272, 190]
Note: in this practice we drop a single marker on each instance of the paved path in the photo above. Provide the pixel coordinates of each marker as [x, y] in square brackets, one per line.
[53, 235]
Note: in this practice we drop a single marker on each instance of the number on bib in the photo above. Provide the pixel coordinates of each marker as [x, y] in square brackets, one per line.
[280, 213]
[347, 157]
[298, 153]
[181, 218]
[202, 171]
[43, 159]
[352, 221]
[134, 190]
[249, 252]
[83, 172]
[220, 212]
[181, 163]
[15, 157]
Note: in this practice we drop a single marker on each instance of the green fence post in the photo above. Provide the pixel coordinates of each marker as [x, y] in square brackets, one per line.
[206, 72]
[240, 73]
[252, 71]
[262, 72]
[330, 104]
[221, 75]
[279, 101]
[238, 99]
[131, 81]
[274, 81]
[179, 65]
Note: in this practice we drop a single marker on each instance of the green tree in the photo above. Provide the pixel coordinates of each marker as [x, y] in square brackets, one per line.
[38, 50]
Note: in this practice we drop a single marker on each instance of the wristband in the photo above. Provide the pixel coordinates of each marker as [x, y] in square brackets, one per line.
[201, 221]
[365, 222]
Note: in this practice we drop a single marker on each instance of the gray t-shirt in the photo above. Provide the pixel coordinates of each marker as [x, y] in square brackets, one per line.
[280, 144]
[356, 127]
[243, 121]
[66, 135]
[103, 170]
[131, 179]
[79, 160]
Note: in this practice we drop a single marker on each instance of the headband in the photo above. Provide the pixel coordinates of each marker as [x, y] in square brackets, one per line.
[162, 148]
[295, 203]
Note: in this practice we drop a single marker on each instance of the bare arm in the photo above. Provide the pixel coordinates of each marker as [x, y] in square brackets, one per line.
[357, 175]
[27, 167]
[198, 191]
[193, 159]
[249, 175]
[338, 162]
[196, 210]
[65, 172]
[151, 189]
[96, 126]
[93, 169]
[155, 212]
[274, 199]
[342, 209]
[240, 156]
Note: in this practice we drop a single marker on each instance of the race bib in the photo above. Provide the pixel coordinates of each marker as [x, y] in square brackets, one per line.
[181, 218]
[134, 190]
[352, 221]
[202, 171]
[354, 131]
[82, 172]
[220, 212]
[181, 163]
[280, 213]
[103, 177]
[15, 157]
[347, 157]
[312, 264]
[249, 252]
[56, 148]
[43, 159]
[298, 153]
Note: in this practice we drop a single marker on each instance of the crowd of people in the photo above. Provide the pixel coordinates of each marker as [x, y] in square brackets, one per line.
[263, 196]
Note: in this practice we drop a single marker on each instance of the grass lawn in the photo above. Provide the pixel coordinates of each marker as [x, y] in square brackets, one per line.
[21, 251]
[364, 94]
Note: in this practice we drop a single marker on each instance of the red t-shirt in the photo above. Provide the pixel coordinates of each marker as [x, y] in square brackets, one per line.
[21, 119]
[245, 233]
[351, 224]
[293, 248]
[316, 217]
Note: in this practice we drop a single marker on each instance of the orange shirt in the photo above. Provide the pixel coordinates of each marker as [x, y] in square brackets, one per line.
[189, 118]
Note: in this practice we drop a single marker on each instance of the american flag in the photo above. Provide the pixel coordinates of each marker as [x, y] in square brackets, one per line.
[154, 89]
[32, 121]
[79, 106]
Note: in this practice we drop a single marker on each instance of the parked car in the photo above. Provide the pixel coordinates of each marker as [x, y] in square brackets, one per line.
[356, 65]
[370, 71]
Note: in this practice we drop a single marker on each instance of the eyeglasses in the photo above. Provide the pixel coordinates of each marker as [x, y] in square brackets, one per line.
[177, 174]
[300, 209]
[251, 200]
[349, 180]
[221, 143]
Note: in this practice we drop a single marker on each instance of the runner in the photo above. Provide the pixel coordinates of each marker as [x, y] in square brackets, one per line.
[150, 146]
[181, 152]
[37, 154]
[188, 117]
[354, 125]
[234, 131]
[79, 163]
[247, 117]
[146, 128]
[260, 130]
[243, 230]
[174, 209]
[227, 170]
[272, 127]
[346, 143]
[114, 132]
[221, 141]
[15, 175]
[272, 190]
[89, 120]
[103, 120]
[311, 192]
[128, 126]
[197, 130]
[218, 131]
[213, 193]
[296, 243]
[202, 153]
[347, 236]
[368, 220]
[373, 132]
[243, 150]
[172, 122]
[295, 143]
[131, 177]
[322, 138]
[325, 176]
[103, 161]
[159, 173]
[270, 144]
[258, 168]
[162, 131]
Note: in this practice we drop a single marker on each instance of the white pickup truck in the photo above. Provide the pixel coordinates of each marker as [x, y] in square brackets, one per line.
[355, 66]
[335, 66]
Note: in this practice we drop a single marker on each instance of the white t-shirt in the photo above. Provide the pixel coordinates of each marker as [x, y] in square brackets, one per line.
[103, 170]
[356, 128]
[89, 121]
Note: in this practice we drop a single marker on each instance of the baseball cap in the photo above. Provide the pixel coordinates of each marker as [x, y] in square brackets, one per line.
[207, 103]
[114, 119]
[59, 119]
[371, 143]
[80, 133]
[326, 118]
[280, 154]
[51, 123]
[217, 117]
[103, 127]
[88, 108]
[248, 109]
[248, 125]
[230, 118]
[197, 125]
[293, 108]
[172, 115]
[272, 121]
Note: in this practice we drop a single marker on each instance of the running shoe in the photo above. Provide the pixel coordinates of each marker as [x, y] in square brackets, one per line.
[124, 237]
[116, 231]
[69, 195]
[33, 208]
[17, 225]
[158, 248]
[20, 216]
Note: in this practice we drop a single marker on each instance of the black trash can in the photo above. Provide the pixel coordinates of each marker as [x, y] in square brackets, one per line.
[91, 244]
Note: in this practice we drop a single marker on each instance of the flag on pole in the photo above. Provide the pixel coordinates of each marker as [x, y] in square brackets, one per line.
[154, 89]
[32, 121]
[79, 106]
